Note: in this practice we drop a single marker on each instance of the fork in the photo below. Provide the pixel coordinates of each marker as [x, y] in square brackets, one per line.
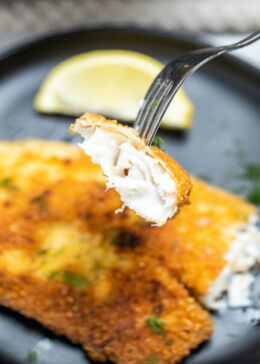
[169, 80]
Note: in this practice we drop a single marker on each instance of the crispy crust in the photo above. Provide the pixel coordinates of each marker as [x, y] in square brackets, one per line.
[115, 330]
[179, 175]
[68, 261]
[193, 245]
[95, 119]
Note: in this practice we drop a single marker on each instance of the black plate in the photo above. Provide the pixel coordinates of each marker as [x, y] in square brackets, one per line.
[226, 95]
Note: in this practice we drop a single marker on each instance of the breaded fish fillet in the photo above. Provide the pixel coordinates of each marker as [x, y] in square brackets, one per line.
[211, 245]
[147, 179]
[68, 261]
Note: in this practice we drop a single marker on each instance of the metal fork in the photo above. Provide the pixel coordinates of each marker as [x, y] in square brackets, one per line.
[169, 80]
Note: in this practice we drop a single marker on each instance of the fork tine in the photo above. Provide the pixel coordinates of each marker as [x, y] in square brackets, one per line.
[151, 95]
[152, 110]
[154, 125]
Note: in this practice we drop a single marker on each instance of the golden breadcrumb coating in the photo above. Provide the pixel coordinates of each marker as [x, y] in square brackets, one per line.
[68, 261]
[193, 245]
[180, 176]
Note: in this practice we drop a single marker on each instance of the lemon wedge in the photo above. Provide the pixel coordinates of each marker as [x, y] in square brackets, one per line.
[109, 82]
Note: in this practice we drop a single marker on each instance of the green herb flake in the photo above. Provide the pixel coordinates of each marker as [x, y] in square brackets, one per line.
[240, 190]
[231, 334]
[39, 199]
[97, 265]
[43, 262]
[174, 244]
[154, 102]
[75, 308]
[141, 223]
[115, 236]
[206, 308]
[32, 354]
[252, 171]
[251, 176]
[204, 177]
[6, 182]
[158, 141]
[254, 193]
[224, 124]
[75, 279]
[42, 252]
[237, 152]
[169, 342]
[157, 83]
[151, 359]
[54, 274]
[42, 206]
[59, 252]
[157, 325]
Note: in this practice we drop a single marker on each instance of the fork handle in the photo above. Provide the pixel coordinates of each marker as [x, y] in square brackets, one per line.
[174, 74]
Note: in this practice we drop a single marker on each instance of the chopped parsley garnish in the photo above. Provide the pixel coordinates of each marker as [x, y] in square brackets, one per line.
[58, 252]
[254, 193]
[97, 265]
[42, 206]
[115, 236]
[157, 83]
[42, 252]
[249, 172]
[204, 177]
[252, 171]
[158, 141]
[151, 359]
[224, 124]
[54, 274]
[32, 354]
[75, 279]
[240, 189]
[40, 200]
[206, 308]
[141, 223]
[75, 308]
[232, 335]
[6, 182]
[174, 244]
[169, 342]
[252, 174]
[157, 325]
[155, 102]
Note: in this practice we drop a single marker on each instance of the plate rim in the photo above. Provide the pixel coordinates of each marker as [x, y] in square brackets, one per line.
[190, 39]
